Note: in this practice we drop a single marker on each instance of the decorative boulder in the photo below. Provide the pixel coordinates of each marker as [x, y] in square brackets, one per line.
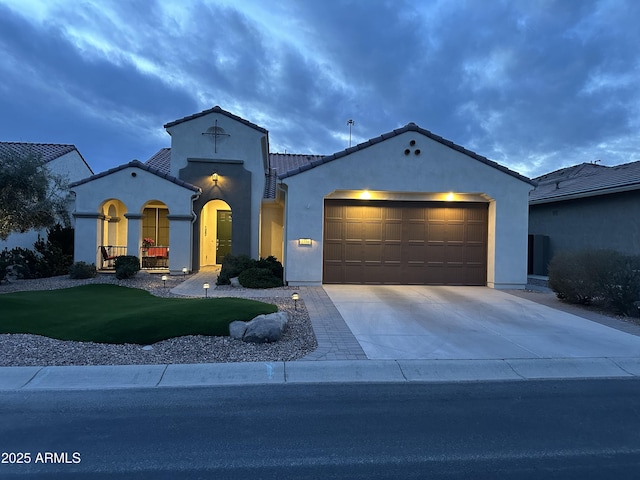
[237, 329]
[262, 329]
[235, 282]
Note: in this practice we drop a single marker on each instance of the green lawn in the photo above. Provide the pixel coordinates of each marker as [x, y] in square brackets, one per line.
[112, 314]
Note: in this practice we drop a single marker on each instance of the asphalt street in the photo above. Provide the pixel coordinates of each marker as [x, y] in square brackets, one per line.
[535, 429]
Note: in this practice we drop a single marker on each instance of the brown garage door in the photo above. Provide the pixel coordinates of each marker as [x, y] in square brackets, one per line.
[424, 243]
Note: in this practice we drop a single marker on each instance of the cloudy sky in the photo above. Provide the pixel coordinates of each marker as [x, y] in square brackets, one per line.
[534, 85]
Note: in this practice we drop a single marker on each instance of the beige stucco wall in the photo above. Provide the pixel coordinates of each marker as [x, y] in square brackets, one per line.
[244, 144]
[385, 168]
[133, 187]
[271, 231]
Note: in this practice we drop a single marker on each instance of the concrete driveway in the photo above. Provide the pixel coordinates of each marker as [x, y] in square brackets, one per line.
[424, 322]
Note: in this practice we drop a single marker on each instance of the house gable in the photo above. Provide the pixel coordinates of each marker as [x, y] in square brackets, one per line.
[217, 135]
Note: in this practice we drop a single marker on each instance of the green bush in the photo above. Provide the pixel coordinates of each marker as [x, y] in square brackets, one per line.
[259, 278]
[621, 291]
[4, 264]
[233, 266]
[272, 264]
[126, 266]
[24, 261]
[81, 270]
[47, 259]
[604, 277]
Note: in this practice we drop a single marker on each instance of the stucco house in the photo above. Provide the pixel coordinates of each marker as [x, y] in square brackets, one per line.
[61, 159]
[408, 207]
[586, 206]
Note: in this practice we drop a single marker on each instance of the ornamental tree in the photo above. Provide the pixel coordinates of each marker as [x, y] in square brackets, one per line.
[31, 196]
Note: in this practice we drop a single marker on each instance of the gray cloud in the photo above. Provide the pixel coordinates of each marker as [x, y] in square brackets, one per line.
[534, 85]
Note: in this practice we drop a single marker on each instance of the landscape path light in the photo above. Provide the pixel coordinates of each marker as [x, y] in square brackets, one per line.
[206, 289]
[184, 271]
[295, 296]
[164, 280]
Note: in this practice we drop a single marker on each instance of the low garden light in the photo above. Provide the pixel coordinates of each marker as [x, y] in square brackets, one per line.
[184, 271]
[206, 289]
[164, 280]
[295, 296]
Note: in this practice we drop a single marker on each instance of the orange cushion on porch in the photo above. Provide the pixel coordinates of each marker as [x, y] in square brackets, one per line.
[157, 252]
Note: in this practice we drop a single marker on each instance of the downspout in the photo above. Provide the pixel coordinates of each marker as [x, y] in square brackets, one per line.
[194, 197]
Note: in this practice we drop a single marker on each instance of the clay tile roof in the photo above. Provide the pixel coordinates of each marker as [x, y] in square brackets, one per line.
[48, 151]
[285, 162]
[410, 127]
[142, 166]
[584, 180]
[217, 109]
[161, 160]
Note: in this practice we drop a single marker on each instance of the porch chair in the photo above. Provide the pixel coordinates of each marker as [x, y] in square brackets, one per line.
[106, 257]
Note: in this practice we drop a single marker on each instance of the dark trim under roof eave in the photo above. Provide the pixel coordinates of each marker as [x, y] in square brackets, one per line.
[142, 166]
[410, 127]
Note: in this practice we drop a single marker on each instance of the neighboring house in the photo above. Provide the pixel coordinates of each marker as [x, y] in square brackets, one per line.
[64, 160]
[587, 206]
[408, 207]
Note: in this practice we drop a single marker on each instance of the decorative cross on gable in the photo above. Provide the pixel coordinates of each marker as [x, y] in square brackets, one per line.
[216, 132]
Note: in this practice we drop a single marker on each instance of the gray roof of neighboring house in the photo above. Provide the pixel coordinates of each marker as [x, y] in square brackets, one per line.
[142, 166]
[585, 180]
[48, 151]
[217, 109]
[410, 127]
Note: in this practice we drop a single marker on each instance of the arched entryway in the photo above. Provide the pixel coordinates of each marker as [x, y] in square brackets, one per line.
[215, 232]
[113, 233]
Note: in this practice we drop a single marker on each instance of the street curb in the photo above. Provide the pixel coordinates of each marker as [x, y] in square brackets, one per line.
[109, 377]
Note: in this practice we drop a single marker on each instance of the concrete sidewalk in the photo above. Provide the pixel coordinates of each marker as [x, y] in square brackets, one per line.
[26, 379]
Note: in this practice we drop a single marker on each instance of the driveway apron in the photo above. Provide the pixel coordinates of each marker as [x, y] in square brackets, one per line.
[439, 322]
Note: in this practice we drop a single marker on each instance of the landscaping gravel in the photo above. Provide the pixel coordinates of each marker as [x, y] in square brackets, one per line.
[23, 349]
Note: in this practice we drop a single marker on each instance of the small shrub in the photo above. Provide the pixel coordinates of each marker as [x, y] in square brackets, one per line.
[603, 277]
[126, 266]
[273, 265]
[80, 270]
[24, 261]
[233, 266]
[4, 264]
[259, 278]
[621, 290]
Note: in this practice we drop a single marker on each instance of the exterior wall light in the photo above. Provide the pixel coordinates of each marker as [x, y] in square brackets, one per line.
[214, 178]
[305, 242]
[365, 195]
[206, 289]
[295, 296]
[450, 197]
[164, 281]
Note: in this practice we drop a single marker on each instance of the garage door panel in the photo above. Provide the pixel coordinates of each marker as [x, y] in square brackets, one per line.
[333, 252]
[405, 243]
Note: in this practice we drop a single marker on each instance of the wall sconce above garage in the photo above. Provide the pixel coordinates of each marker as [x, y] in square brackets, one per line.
[214, 178]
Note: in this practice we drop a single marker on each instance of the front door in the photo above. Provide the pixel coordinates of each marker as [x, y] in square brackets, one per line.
[223, 240]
